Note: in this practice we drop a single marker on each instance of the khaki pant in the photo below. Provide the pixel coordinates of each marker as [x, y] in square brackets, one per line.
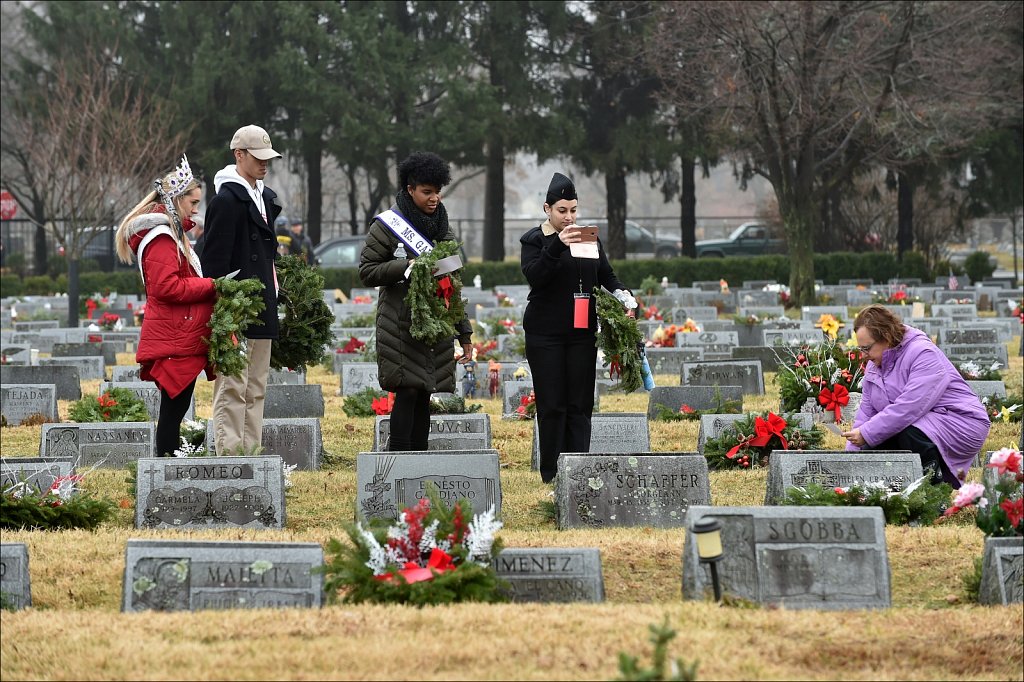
[238, 403]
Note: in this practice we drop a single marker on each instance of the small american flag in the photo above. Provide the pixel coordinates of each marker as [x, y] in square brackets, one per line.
[953, 283]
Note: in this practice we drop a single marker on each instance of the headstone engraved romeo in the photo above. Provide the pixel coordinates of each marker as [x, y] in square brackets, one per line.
[839, 469]
[298, 441]
[746, 374]
[178, 575]
[286, 401]
[66, 379]
[36, 472]
[21, 401]
[610, 432]
[389, 482]
[110, 445]
[797, 557]
[355, 376]
[210, 492]
[551, 574]
[644, 489]
[696, 397]
[1002, 572]
[15, 581]
[148, 393]
[447, 432]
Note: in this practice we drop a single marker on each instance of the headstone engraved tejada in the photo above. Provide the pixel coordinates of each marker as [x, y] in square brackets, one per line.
[795, 557]
[210, 492]
[103, 444]
[447, 432]
[551, 574]
[389, 482]
[175, 575]
[614, 432]
[18, 402]
[1002, 571]
[645, 489]
[15, 582]
[36, 472]
[839, 469]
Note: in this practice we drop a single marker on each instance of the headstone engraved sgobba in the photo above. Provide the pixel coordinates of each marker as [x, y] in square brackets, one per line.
[447, 432]
[696, 397]
[66, 379]
[389, 482]
[287, 401]
[1002, 571]
[18, 402]
[839, 469]
[210, 492]
[551, 574]
[796, 557]
[15, 581]
[298, 441]
[599, 490]
[102, 444]
[192, 575]
[36, 472]
[615, 432]
[148, 393]
[746, 374]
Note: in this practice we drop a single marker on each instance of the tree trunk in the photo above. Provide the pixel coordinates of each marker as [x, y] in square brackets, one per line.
[800, 211]
[688, 206]
[494, 200]
[313, 157]
[905, 214]
[615, 191]
[39, 250]
[353, 200]
[72, 291]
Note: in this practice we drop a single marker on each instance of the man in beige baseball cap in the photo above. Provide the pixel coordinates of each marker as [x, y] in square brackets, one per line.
[254, 140]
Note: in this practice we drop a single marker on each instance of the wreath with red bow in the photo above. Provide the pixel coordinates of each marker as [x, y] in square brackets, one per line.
[749, 442]
[435, 304]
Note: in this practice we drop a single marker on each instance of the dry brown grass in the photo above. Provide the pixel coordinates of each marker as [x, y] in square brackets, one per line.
[75, 630]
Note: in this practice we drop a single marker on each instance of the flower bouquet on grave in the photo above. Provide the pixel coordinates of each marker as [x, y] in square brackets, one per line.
[999, 501]
[829, 324]
[504, 300]
[384, 405]
[364, 300]
[353, 345]
[433, 554]
[1006, 409]
[972, 371]
[115, 405]
[749, 443]
[527, 408]
[809, 371]
[921, 502]
[435, 304]
[64, 505]
[109, 322]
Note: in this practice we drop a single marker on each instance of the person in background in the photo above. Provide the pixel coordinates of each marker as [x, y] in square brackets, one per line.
[284, 236]
[301, 244]
[913, 398]
[179, 300]
[561, 325]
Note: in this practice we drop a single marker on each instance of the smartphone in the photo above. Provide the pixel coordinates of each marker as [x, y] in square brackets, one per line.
[588, 233]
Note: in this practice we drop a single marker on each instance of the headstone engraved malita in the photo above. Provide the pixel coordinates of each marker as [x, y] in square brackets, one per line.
[210, 492]
[894, 469]
[176, 575]
[795, 557]
[15, 582]
[551, 574]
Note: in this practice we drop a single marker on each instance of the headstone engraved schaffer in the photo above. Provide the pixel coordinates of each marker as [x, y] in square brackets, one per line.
[796, 557]
[839, 468]
[644, 489]
[210, 492]
[176, 575]
[551, 574]
[389, 482]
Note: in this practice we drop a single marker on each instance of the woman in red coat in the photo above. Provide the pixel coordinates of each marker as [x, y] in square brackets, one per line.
[179, 300]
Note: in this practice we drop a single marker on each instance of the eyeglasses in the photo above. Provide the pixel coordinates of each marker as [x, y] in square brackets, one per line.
[867, 349]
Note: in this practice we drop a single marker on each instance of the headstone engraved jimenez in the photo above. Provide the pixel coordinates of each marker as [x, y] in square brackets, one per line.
[551, 574]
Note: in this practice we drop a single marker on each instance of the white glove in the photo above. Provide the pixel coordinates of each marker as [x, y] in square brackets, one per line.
[625, 298]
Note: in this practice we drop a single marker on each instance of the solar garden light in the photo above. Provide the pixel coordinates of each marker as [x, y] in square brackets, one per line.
[708, 532]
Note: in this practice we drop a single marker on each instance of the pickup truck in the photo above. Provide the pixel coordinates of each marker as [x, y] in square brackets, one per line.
[749, 239]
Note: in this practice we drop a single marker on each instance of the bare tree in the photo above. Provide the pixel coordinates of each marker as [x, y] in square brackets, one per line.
[83, 149]
[810, 92]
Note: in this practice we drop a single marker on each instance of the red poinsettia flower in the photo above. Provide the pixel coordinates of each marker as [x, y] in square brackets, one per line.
[1014, 510]
[383, 405]
[353, 346]
[686, 409]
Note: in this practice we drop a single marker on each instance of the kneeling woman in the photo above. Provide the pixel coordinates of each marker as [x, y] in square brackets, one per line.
[914, 399]
[561, 325]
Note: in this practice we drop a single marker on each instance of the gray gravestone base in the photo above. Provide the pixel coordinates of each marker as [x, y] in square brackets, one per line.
[15, 581]
[1002, 571]
[551, 574]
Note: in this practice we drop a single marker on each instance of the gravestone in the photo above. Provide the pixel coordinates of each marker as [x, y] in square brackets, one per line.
[839, 469]
[345, 311]
[121, 374]
[35, 325]
[110, 445]
[714, 425]
[66, 379]
[956, 297]
[148, 393]
[447, 432]
[969, 337]
[619, 490]
[768, 358]
[955, 311]
[1002, 572]
[355, 376]
[389, 482]
[757, 299]
[285, 377]
[696, 313]
[796, 557]
[743, 373]
[21, 401]
[108, 351]
[88, 367]
[1005, 328]
[813, 312]
[298, 441]
[610, 432]
[15, 579]
[714, 344]
[36, 472]
[763, 312]
[791, 337]
[192, 575]
[287, 401]
[670, 360]
[514, 392]
[984, 389]
[551, 574]
[932, 326]
[210, 492]
[697, 397]
[983, 355]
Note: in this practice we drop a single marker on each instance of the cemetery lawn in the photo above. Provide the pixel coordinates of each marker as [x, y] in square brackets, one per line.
[76, 631]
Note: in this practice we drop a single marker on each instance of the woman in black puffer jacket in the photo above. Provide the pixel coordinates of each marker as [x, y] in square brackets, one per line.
[407, 367]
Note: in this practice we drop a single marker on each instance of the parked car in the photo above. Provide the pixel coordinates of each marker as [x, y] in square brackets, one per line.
[340, 252]
[749, 239]
[640, 242]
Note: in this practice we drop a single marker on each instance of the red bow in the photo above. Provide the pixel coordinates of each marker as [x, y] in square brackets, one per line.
[835, 399]
[90, 308]
[440, 561]
[764, 430]
[445, 290]
[615, 370]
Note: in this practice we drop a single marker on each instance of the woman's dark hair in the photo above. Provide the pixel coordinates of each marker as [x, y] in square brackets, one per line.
[883, 325]
[423, 168]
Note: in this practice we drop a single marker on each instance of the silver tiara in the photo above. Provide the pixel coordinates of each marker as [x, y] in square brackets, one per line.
[174, 184]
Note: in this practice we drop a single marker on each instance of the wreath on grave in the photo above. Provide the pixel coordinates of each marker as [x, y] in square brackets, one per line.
[663, 413]
[238, 305]
[452, 404]
[749, 442]
[1005, 409]
[432, 554]
[807, 372]
[364, 403]
[63, 506]
[305, 329]
[114, 405]
[972, 371]
[620, 340]
[919, 503]
[436, 305]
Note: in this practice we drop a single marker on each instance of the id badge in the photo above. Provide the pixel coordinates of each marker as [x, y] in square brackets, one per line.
[581, 311]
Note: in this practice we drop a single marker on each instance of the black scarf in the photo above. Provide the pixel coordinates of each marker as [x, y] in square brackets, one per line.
[433, 227]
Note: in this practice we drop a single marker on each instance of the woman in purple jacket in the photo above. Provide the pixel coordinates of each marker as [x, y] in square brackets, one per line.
[914, 399]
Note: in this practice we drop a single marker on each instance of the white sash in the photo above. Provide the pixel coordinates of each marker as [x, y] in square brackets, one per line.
[406, 233]
[164, 229]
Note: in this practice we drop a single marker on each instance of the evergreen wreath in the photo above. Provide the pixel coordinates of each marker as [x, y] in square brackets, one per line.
[919, 503]
[749, 442]
[432, 320]
[305, 330]
[22, 506]
[114, 405]
[619, 338]
[239, 304]
[361, 404]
